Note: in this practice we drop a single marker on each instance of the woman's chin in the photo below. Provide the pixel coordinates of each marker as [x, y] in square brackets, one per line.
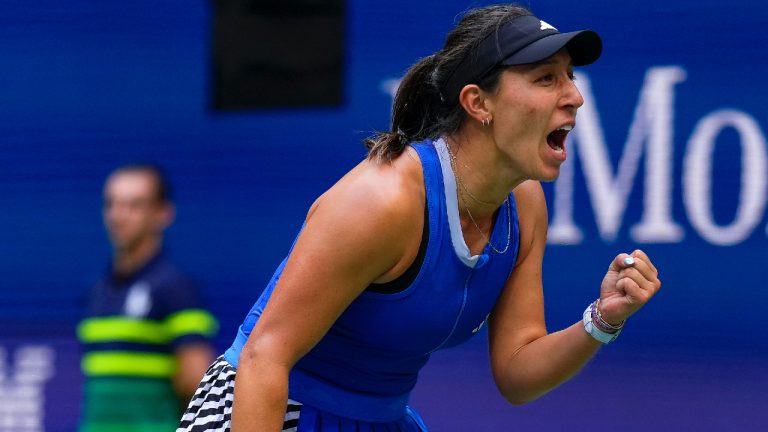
[549, 173]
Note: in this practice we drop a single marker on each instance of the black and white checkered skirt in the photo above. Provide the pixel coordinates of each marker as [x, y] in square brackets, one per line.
[211, 407]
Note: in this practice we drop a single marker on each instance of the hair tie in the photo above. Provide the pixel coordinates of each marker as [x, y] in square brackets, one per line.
[402, 138]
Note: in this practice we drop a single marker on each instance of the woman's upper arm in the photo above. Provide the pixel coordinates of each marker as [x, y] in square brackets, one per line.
[356, 232]
[518, 317]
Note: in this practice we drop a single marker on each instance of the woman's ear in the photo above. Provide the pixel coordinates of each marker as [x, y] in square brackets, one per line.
[473, 100]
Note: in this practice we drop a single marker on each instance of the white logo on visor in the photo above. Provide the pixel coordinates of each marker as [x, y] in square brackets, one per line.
[545, 25]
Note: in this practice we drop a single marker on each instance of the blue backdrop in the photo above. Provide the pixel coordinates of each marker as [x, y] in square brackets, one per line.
[669, 156]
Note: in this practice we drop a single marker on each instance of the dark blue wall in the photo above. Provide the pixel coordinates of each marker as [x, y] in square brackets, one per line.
[87, 85]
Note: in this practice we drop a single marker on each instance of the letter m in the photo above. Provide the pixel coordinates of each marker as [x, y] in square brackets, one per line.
[608, 188]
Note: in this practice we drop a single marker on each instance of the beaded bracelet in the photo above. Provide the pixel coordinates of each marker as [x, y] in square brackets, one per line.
[604, 325]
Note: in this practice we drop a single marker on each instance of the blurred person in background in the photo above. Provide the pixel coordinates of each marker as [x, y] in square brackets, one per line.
[146, 336]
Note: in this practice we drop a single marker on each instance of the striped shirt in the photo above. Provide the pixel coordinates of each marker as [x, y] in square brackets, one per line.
[133, 326]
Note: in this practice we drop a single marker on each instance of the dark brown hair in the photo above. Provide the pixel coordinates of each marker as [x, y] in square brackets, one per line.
[419, 112]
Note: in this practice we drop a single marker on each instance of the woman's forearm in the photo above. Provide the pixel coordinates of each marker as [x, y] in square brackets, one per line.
[261, 394]
[544, 363]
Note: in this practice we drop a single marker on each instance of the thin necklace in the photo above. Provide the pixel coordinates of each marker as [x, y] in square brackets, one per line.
[471, 195]
[454, 161]
[509, 229]
[469, 213]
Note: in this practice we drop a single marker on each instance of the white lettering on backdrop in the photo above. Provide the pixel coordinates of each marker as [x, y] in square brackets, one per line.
[22, 386]
[651, 127]
[697, 177]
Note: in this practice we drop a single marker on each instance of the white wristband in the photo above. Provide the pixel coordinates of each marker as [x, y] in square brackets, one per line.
[595, 332]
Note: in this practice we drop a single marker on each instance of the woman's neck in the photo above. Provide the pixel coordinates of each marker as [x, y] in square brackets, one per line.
[483, 180]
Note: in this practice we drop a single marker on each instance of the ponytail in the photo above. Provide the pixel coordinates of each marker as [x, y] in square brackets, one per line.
[415, 113]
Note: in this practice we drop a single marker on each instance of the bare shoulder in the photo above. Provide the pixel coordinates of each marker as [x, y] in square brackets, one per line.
[380, 203]
[530, 195]
[378, 190]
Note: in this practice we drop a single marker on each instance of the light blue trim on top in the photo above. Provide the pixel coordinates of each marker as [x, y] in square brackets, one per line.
[452, 206]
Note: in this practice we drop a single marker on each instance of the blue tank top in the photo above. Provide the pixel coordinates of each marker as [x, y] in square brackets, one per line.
[367, 364]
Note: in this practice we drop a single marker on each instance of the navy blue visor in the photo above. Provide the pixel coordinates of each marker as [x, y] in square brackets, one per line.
[522, 40]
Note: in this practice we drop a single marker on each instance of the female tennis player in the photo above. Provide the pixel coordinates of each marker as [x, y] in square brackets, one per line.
[440, 229]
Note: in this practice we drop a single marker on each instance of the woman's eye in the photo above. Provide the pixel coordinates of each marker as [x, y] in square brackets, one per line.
[546, 78]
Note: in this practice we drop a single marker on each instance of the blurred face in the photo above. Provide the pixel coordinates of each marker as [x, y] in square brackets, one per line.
[133, 214]
[533, 110]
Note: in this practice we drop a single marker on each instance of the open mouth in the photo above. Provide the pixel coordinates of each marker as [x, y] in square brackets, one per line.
[556, 138]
